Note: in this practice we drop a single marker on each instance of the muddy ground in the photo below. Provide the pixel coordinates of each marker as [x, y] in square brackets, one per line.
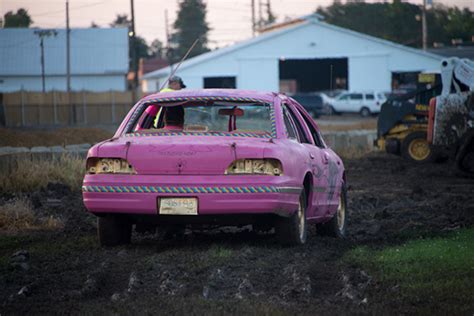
[390, 200]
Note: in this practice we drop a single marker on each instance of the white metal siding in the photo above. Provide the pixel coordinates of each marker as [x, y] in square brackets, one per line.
[371, 61]
[99, 59]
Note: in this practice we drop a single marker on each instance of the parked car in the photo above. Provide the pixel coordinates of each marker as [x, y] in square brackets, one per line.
[312, 102]
[364, 103]
[241, 157]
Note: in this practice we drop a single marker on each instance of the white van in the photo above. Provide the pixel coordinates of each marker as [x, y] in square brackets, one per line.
[365, 103]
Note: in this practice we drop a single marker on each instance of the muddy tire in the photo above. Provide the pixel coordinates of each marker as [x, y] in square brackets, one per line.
[464, 160]
[336, 227]
[415, 147]
[292, 231]
[113, 230]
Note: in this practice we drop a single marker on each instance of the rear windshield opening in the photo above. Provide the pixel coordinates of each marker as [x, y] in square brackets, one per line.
[220, 117]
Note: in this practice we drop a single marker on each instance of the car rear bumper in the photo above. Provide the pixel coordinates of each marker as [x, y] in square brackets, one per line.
[216, 195]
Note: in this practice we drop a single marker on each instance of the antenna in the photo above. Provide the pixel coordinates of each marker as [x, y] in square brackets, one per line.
[179, 64]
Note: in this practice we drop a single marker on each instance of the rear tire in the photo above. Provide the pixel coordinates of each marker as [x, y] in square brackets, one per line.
[114, 230]
[336, 227]
[415, 147]
[365, 112]
[292, 231]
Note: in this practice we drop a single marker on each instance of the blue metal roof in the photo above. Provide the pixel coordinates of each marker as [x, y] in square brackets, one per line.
[93, 51]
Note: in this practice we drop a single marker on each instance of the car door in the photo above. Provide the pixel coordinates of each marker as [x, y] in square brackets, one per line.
[330, 186]
[355, 102]
[319, 162]
[341, 103]
[370, 102]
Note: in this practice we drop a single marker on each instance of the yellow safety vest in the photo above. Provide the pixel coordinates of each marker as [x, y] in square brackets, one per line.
[155, 122]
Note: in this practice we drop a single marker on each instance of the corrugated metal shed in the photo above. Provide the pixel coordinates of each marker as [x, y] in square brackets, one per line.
[94, 52]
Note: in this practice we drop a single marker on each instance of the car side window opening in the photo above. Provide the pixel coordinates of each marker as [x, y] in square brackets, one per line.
[290, 129]
[314, 133]
[344, 97]
[369, 97]
[299, 129]
[356, 96]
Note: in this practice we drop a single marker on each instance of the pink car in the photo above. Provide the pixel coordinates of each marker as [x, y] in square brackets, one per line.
[217, 156]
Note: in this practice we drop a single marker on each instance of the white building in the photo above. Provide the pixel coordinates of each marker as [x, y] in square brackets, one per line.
[303, 55]
[99, 59]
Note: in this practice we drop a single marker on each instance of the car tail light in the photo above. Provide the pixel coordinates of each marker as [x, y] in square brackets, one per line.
[109, 165]
[431, 118]
[255, 166]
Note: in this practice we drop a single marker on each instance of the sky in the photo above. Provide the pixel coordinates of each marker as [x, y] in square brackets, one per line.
[230, 20]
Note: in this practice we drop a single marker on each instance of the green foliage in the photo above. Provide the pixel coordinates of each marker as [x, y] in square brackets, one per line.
[143, 50]
[189, 25]
[439, 268]
[19, 19]
[401, 21]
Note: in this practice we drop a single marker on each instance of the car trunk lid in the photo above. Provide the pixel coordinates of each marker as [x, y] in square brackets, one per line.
[183, 155]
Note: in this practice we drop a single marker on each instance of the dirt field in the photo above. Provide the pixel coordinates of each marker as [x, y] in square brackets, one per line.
[391, 201]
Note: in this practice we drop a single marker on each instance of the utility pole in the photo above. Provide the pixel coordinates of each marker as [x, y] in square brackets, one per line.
[253, 18]
[134, 52]
[42, 34]
[424, 27]
[167, 30]
[72, 116]
[68, 50]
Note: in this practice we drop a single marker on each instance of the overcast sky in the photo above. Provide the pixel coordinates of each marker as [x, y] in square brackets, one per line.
[230, 20]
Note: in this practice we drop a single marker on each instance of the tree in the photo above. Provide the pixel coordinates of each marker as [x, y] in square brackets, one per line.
[190, 25]
[19, 19]
[271, 18]
[94, 25]
[156, 49]
[121, 20]
[401, 21]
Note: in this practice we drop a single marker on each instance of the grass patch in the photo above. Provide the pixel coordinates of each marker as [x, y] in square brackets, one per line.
[369, 124]
[354, 152]
[60, 136]
[18, 215]
[30, 176]
[434, 271]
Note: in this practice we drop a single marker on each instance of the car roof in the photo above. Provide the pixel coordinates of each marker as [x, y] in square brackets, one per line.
[230, 93]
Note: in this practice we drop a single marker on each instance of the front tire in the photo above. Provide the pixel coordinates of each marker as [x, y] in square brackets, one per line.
[336, 227]
[292, 231]
[415, 147]
[113, 230]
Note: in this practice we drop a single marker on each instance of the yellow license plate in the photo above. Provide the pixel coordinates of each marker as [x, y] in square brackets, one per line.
[178, 206]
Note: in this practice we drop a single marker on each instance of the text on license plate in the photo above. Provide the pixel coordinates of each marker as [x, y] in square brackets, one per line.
[178, 206]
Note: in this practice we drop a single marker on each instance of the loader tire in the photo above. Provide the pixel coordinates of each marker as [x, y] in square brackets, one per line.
[415, 147]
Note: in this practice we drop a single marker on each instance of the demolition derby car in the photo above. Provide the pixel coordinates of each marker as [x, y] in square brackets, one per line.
[216, 157]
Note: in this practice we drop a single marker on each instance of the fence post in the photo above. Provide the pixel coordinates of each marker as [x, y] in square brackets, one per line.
[84, 111]
[113, 105]
[22, 108]
[55, 110]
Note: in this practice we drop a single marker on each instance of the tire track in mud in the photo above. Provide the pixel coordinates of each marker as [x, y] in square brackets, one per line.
[390, 201]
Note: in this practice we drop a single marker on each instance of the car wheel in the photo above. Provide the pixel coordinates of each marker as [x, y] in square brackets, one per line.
[315, 114]
[114, 230]
[364, 112]
[415, 147]
[292, 231]
[331, 110]
[336, 227]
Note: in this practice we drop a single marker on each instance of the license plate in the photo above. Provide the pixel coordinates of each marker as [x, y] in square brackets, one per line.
[178, 206]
